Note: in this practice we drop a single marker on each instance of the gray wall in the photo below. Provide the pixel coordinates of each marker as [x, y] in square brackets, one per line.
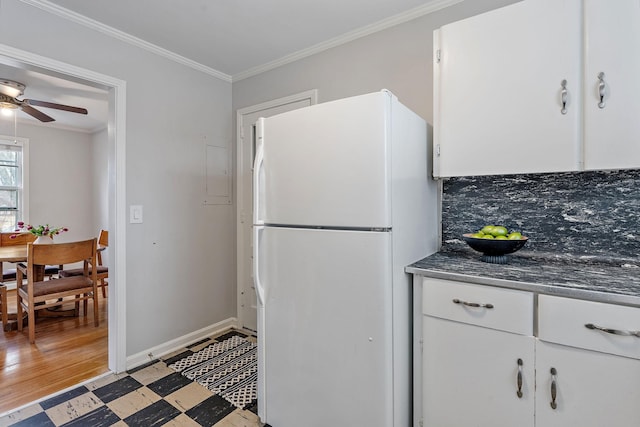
[61, 180]
[398, 59]
[180, 261]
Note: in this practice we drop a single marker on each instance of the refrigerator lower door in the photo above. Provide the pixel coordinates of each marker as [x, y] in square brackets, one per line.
[325, 335]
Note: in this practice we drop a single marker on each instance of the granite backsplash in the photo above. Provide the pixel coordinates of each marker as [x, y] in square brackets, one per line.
[575, 215]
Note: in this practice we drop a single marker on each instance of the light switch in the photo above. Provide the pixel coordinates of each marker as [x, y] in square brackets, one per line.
[135, 214]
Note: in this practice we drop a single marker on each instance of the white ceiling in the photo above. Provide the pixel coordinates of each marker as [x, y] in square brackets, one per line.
[230, 38]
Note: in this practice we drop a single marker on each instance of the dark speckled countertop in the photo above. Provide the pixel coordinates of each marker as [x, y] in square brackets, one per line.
[583, 229]
[595, 280]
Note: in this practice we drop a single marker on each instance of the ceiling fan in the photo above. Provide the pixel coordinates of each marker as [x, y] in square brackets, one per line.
[10, 91]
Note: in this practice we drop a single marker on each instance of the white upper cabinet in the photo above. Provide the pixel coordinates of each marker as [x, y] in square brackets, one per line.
[498, 91]
[612, 46]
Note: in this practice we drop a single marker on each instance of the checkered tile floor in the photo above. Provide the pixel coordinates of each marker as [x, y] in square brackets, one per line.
[150, 395]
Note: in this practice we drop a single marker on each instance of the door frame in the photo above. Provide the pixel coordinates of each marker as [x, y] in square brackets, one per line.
[243, 212]
[116, 184]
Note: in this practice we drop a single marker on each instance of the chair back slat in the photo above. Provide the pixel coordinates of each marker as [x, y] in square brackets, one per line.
[103, 238]
[61, 253]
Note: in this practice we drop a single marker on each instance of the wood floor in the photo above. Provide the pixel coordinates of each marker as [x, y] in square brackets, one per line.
[67, 351]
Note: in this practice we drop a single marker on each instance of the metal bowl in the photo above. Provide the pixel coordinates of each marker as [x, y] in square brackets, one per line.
[493, 246]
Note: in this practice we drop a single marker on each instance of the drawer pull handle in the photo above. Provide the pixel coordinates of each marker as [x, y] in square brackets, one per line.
[519, 379]
[554, 388]
[564, 95]
[613, 331]
[472, 304]
[602, 86]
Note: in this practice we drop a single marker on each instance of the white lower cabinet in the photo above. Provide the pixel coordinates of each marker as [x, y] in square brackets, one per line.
[469, 383]
[592, 389]
[482, 366]
[594, 352]
[478, 356]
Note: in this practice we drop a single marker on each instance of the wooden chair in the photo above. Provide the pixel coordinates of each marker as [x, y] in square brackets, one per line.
[18, 240]
[42, 295]
[103, 271]
[3, 307]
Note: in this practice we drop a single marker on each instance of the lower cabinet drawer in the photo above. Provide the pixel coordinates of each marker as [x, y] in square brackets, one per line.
[497, 308]
[590, 325]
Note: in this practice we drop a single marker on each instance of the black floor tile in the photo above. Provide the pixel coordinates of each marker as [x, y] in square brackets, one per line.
[156, 414]
[101, 417]
[229, 335]
[117, 389]
[253, 407]
[210, 411]
[138, 368]
[54, 401]
[200, 342]
[177, 357]
[38, 420]
[167, 385]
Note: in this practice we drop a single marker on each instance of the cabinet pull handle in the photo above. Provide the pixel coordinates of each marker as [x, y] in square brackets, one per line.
[613, 331]
[554, 388]
[519, 379]
[602, 86]
[472, 304]
[565, 96]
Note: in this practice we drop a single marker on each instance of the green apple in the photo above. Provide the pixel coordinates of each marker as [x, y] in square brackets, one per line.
[500, 230]
[487, 229]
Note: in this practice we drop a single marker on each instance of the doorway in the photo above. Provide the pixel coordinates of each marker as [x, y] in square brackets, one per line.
[245, 131]
[116, 186]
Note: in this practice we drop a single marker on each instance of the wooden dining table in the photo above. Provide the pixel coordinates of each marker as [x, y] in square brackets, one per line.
[17, 254]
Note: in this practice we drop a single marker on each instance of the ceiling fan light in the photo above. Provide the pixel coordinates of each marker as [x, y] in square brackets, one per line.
[7, 112]
[7, 106]
[11, 88]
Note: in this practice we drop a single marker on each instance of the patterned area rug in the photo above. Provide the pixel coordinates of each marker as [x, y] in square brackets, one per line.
[228, 368]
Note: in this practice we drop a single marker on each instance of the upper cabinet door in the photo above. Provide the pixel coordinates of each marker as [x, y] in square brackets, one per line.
[499, 88]
[612, 46]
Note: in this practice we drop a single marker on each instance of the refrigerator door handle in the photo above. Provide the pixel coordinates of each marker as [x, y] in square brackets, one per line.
[257, 173]
[257, 231]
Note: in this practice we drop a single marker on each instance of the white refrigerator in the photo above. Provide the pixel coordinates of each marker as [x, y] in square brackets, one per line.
[343, 201]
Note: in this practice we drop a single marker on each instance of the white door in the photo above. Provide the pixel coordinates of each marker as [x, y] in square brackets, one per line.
[327, 342]
[246, 118]
[498, 91]
[328, 165]
[612, 129]
[592, 389]
[471, 376]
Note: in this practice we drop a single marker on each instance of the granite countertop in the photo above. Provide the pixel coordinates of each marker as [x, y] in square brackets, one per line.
[596, 279]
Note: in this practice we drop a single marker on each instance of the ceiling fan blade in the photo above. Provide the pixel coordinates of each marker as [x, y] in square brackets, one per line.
[56, 106]
[36, 113]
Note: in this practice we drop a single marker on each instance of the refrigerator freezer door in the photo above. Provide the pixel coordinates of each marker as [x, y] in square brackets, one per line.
[328, 164]
[326, 336]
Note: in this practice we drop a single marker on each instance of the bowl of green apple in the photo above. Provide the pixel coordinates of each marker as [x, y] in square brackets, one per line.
[495, 241]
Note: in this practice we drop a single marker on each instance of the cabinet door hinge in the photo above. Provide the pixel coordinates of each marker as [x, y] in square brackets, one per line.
[438, 56]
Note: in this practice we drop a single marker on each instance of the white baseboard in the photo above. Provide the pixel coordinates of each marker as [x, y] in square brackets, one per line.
[153, 353]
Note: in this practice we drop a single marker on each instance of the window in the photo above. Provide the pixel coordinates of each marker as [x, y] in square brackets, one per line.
[13, 191]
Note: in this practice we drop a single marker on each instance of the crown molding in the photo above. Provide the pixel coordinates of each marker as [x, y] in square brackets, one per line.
[409, 15]
[121, 35]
